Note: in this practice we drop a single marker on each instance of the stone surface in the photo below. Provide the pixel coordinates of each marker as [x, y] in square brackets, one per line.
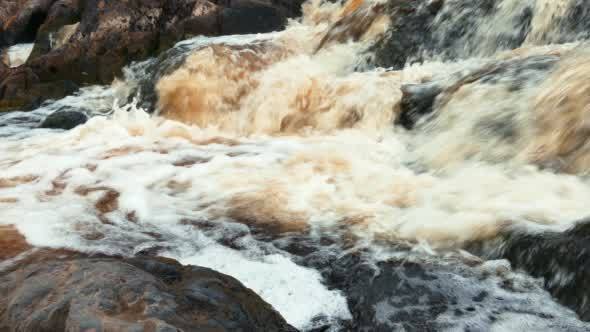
[423, 30]
[89, 42]
[419, 100]
[561, 259]
[21, 20]
[66, 119]
[422, 293]
[76, 293]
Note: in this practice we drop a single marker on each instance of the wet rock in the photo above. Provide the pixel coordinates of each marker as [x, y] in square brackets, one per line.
[444, 29]
[250, 18]
[58, 27]
[89, 42]
[12, 243]
[14, 86]
[3, 67]
[422, 293]
[407, 33]
[562, 259]
[419, 100]
[434, 30]
[21, 88]
[137, 294]
[22, 20]
[66, 119]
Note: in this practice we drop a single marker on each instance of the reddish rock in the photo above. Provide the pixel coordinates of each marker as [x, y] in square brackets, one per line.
[77, 293]
[22, 20]
[89, 42]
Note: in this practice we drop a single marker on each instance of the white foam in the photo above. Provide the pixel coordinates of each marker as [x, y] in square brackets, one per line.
[296, 292]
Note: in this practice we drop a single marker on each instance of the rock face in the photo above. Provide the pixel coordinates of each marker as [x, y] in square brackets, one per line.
[413, 291]
[561, 259]
[139, 294]
[419, 100]
[408, 32]
[439, 29]
[89, 42]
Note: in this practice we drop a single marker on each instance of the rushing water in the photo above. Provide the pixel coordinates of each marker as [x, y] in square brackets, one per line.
[293, 133]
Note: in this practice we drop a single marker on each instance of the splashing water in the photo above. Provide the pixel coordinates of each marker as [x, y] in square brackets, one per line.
[16, 55]
[289, 133]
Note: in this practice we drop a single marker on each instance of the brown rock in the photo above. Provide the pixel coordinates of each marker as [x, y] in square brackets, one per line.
[60, 24]
[23, 19]
[77, 293]
[89, 42]
[12, 243]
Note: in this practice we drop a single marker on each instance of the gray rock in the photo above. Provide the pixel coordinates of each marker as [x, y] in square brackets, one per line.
[64, 120]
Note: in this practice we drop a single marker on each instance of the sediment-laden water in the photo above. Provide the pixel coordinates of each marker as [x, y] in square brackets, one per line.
[260, 145]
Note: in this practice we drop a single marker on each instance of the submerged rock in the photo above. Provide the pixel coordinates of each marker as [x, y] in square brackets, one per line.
[407, 33]
[66, 119]
[417, 101]
[136, 294]
[422, 293]
[514, 75]
[561, 259]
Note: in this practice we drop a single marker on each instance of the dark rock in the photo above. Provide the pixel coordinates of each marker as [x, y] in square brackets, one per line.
[443, 29]
[353, 25]
[448, 30]
[64, 120]
[21, 88]
[23, 20]
[89, 42]
[562, 259]
[250, 18]
[137, 294]
[408, 32]
[422, 293]
[422, 99]
[417, 101]
[15, 84]
[3, 68]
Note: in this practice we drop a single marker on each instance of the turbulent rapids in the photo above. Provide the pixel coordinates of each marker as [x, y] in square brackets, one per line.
[297, 161]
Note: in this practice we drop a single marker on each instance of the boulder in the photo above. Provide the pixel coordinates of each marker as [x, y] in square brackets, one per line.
[561, 259]
[21, 88]
[66, 119]
[73, 292]
[409, 30]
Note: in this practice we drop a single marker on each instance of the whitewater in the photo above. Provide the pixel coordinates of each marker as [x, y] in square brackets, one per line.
[259, 139]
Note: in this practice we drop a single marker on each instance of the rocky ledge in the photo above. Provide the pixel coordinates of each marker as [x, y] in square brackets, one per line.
[64, 291]
[88, 42]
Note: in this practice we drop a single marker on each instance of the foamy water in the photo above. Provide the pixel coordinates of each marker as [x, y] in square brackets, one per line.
[18, 54]
[276, 134]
